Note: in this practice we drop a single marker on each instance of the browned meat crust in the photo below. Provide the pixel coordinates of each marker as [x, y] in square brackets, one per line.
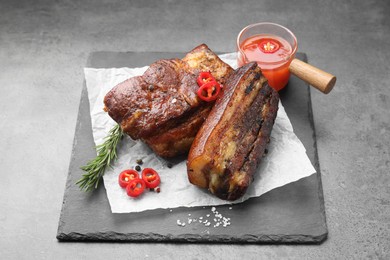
[229, 146]
[161, 107]
[178, 139]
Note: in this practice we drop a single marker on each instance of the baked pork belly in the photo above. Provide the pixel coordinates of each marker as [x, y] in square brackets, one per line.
[230, 144]
[161, 107]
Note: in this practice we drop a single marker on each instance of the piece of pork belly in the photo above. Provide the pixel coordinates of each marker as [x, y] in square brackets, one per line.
[161, 107]
[229, 146]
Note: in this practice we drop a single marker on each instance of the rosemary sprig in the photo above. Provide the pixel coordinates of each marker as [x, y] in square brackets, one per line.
[106, 155]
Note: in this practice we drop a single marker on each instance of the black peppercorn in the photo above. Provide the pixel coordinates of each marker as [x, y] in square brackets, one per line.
[139, 162]
[151, 87]
[169, 165]
[138, 168]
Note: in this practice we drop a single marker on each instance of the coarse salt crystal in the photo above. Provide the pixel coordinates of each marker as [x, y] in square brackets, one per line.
[219, 220]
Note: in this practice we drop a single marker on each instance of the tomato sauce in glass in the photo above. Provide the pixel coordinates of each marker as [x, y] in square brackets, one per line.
[272, 53]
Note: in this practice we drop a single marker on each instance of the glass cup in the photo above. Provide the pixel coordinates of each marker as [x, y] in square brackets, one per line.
[272, 46]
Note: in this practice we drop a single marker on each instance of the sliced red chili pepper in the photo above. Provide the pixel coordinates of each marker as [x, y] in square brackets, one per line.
[126, 176]
[209, 91]
[269, 45]
[135, 188]
[204, 77]
[151, 178]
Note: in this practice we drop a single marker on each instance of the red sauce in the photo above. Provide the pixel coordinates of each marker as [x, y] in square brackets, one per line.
[272, 53]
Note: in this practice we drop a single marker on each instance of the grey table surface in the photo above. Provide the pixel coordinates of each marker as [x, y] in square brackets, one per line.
[44, 46]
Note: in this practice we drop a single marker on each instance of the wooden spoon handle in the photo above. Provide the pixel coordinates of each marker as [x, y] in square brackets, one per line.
[321, 80]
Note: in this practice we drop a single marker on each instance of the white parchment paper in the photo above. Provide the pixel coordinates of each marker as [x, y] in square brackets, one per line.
[285, 162]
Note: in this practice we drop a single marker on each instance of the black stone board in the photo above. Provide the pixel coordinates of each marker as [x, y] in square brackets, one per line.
[292, 214]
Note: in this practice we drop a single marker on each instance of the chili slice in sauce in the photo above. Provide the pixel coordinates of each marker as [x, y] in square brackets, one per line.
[269, 45]
[151, 178]
[135, 188]
[126, 176]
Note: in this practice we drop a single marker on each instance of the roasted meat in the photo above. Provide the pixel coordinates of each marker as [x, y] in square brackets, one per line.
[161, 107]
[229, 146]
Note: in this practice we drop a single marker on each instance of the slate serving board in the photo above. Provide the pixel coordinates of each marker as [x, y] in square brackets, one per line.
[293, 213]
